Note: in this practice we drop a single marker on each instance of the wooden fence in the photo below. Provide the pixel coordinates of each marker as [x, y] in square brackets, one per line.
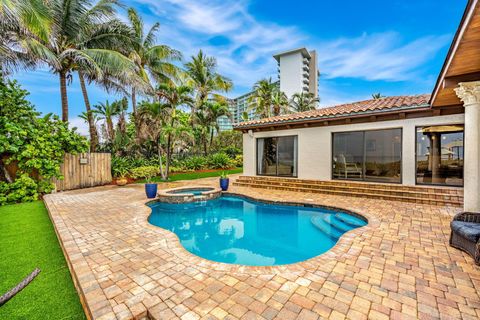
[85, 170]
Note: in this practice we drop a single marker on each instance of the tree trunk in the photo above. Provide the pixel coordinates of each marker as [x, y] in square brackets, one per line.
[91, 124]
[211, 137]
[169, 154]
[134, 101]
[110, 129]
[63, 93]
[162, 173]
[205, 148]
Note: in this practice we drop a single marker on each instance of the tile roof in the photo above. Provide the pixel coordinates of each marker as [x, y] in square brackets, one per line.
[344, 110]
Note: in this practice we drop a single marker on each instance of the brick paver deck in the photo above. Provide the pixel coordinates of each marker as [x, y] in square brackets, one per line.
[399, 266]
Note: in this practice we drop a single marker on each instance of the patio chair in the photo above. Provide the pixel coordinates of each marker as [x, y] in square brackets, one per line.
[465, 234]
[347, 169]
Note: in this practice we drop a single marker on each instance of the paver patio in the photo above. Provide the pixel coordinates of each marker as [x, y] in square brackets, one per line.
[399, 266]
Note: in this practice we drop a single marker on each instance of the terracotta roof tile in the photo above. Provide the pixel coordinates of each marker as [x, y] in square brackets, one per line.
[343, 110]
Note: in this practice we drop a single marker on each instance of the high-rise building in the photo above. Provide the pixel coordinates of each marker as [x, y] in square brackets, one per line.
[297, 73]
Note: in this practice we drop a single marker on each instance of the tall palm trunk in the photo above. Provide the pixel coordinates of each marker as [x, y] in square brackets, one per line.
[63, 93]
[205, 143]
[134, 101]
[160, 162]
[110, 129]
[169, 154]
[91, 124]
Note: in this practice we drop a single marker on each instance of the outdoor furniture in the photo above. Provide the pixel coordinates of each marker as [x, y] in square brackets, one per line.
[346, 169]
[465, 234]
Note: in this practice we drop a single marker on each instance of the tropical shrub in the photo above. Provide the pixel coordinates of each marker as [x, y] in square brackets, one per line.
[147, 172]
[219, 161]
[34, 145]
[238, 161]
[194, 163]
[23, 189]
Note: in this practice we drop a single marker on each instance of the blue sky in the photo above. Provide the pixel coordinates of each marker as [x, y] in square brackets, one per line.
[394, 47]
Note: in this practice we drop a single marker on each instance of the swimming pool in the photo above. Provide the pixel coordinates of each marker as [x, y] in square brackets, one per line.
[236, 230]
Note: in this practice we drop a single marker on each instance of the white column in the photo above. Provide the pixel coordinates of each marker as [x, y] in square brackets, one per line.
[469, 93]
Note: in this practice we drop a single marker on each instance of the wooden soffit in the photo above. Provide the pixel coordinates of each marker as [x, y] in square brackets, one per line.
[463, 59]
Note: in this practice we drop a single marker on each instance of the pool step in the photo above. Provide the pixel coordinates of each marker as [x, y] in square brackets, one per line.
[325, 227]
[418, 194]
[338, 224]
[350, 220]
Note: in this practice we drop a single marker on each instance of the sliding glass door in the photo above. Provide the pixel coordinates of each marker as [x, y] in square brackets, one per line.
[440, 155]
[374, 155]
[277, 156]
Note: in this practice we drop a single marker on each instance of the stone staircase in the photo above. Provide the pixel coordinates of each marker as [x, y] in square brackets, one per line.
[443, 196]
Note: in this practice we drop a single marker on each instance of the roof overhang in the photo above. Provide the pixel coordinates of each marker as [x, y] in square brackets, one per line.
[400, 113]
[303, 51]
[463, 59]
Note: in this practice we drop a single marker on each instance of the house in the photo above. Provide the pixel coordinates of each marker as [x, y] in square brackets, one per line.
[425, 140]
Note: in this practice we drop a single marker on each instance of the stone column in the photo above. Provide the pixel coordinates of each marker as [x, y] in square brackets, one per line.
[469, 93]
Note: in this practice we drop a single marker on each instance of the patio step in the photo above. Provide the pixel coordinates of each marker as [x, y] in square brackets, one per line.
[418, 194]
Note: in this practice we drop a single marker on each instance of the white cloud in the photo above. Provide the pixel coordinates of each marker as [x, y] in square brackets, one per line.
[80, 124]
[246, 54]
[379, 56]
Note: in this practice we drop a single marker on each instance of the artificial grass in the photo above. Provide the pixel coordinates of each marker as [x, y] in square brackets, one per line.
[195, 175]
[28, 240]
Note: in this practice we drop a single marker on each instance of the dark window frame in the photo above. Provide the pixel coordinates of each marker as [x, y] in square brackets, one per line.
[364, 156]
[276, 166]
[416, 162]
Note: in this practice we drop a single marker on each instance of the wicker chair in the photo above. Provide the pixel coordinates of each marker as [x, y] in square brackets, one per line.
[465, 234]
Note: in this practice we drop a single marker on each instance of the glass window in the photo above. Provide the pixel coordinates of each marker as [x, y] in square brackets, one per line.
[368, 155]
[383, 155]
[348, 155]
[440, 155]
[277, 156]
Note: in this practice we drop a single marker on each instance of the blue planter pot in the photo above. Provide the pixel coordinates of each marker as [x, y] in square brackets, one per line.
[224, 184]
[151, 190]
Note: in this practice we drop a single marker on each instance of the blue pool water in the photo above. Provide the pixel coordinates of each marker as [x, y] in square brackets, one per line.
[231, 229]
[195, 192]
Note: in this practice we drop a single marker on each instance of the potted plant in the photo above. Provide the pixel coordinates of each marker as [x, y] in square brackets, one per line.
[147, 172]
[224, 181]
[120, 175]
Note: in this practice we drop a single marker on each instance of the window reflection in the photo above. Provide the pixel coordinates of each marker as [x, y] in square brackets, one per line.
[440, 155]
[368, 155]
[277, 156]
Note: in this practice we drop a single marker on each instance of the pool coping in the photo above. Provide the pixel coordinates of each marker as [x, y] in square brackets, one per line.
[340, 248]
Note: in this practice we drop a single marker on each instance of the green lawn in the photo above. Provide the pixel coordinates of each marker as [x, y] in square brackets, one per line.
[28, 240]
[195, 175]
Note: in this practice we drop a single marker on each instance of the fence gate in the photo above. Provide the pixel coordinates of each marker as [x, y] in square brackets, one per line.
[85, 170]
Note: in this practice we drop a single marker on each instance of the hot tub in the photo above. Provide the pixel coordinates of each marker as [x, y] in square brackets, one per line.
[188, 194]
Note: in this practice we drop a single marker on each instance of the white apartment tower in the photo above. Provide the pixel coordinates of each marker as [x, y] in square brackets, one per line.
[298, 71]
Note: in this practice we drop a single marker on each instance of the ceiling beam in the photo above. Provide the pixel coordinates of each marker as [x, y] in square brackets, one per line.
[453, 81]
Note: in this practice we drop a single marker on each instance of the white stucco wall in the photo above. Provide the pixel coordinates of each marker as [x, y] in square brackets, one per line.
[315, 145]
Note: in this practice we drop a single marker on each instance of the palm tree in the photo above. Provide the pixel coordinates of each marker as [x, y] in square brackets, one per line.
[279, 102]
[203, 77]
[151, 60]
[107, 111]
[377, 96]
[217, 109]
[303, 102]
[172, 97]
[262, 98]
[71, 35]
[151, 120]
[90, 118]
